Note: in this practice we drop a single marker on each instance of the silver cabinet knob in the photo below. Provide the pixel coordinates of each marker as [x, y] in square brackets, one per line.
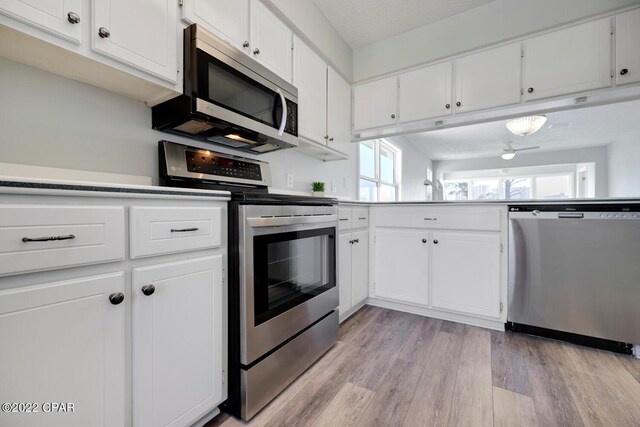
[424, 240]
[256, 51]
[326, 137]
[330, 139]
[103, 33]
[73, 17]
[393, 116]
[458, 104]
[245, 44]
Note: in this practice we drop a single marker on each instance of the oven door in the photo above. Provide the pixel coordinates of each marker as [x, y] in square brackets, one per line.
[288, 278]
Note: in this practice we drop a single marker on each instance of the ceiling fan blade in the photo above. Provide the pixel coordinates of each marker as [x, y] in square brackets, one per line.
[526, 148]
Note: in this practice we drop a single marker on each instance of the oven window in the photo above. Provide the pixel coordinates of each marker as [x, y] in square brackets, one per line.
[291, 268]
[222, 85]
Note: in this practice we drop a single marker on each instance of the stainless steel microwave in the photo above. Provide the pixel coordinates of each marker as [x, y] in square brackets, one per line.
[229, 99]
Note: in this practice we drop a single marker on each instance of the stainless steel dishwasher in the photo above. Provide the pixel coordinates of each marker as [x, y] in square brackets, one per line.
[574, 273]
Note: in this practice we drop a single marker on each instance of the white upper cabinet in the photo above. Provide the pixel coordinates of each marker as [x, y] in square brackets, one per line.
[628, 47]
[227, 19]
[338, 112]
[310, 77]
[571, 60]
[425, 93]
[271, 40]
[141, 33]
[62, 18]
[488, 79]
[466, 272]
[375, 103]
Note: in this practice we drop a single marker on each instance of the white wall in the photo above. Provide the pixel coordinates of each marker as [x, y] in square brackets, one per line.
[492, 23]
[316, 30]
[47, 120]
[597, 155]
[624, 167]
[414, 170]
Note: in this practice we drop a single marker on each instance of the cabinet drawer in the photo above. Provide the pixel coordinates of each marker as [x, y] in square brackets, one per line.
[344, 219]
[360, 218]
[44, 237]
[454, 218]
[157, 230]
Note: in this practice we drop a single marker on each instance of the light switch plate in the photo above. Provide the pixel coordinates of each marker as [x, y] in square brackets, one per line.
[289, 180]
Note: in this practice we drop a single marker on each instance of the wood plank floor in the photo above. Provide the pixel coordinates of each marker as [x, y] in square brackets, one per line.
[398, 369]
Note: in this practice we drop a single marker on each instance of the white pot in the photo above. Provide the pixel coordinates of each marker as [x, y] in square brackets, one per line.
[318, 194]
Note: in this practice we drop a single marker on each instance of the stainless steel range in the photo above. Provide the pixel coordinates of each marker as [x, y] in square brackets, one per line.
[282, 290]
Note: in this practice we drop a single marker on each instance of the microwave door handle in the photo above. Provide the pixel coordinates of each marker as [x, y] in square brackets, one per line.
[283, 121]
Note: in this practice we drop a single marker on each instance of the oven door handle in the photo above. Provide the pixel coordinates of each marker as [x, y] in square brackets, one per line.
[283, 120]
[290, 220]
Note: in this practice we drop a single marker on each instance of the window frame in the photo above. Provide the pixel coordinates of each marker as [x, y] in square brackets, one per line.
[380, 145]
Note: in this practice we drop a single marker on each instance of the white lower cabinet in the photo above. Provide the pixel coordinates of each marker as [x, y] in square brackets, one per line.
[402, 268]
[64, 342]
[441, 261]
[353, 265]
[466, 272]
[177, 315]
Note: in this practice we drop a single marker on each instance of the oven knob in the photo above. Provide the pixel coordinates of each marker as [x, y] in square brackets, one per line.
[148, 290]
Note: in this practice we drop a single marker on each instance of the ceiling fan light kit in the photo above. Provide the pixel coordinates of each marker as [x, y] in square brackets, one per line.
[526, 125]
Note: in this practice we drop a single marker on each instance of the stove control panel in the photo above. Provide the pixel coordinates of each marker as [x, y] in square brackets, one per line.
[183, 161]
[209, 163]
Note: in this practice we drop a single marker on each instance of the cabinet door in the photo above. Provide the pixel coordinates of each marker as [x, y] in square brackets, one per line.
[466, 272]
[339, 112]
[344, 271]
[141, 34]
[375, 103]
[425, 93]
[488, 79]
[628, 47]
[360, 266]
[56, 17]
[271, 40]
[310, 77]
[64, 342]
[567, 61]
[402, 265]
[227, 19]
[177, 341]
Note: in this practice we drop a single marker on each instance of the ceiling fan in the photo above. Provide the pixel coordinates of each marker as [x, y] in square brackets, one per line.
[508, 152]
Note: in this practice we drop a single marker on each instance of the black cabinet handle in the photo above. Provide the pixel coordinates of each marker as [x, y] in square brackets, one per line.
[530, 90]
[48, 239]
[623, 71]
[116, 298]
[435, 241]
[148, 290]
[447, 106]
[458, 103]
[424, 240]
[183, 230]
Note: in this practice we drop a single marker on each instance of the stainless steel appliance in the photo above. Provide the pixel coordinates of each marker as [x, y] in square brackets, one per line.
[229, 99]
[282, 289]
[574, 272]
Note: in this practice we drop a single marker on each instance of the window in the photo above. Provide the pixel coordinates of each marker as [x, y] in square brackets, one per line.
[541, 182]
[379, 171]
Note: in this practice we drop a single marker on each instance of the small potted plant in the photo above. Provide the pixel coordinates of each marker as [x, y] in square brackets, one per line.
[318, 189]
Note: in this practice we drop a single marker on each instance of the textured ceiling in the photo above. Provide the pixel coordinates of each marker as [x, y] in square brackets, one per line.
[362, 22]
[588, 127]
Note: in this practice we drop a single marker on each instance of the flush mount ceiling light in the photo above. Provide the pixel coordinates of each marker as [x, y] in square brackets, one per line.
[527, 125]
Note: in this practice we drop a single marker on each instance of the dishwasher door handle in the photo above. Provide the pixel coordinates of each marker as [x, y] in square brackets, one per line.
[570, 215]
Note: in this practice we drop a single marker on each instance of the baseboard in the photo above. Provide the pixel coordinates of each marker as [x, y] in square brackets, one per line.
[351, 311]
[205, 419]
[497, 325]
